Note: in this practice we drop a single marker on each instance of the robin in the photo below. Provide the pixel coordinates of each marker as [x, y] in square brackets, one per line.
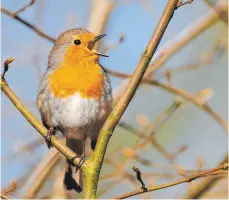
[75, 96]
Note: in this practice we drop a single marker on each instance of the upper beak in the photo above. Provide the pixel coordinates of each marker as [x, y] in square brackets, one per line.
[91, 44]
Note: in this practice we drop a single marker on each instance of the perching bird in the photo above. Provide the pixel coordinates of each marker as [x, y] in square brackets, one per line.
[74, 95]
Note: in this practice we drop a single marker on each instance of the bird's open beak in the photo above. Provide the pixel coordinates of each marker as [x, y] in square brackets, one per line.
[91, 45]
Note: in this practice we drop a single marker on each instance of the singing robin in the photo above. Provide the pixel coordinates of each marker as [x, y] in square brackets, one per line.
[75, 96]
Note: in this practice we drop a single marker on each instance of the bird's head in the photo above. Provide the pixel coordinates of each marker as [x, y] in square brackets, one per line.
[75, 45]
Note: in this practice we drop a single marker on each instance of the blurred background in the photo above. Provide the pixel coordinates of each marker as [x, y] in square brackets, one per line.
[161, 133]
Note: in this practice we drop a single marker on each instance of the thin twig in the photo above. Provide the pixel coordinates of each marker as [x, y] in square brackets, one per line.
[186, 36]
[204, 186]
[28, 25]
[6, 66]
[184, 94]
[165, 116]
[24, 7]
[215, 52]
[184, 180]
[151, 129]
[181, 3]
[21, 180]
[201, 104]
[139, 177]
[156, 125]
[11, 188]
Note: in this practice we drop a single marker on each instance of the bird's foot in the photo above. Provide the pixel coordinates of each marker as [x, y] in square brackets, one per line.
[81, 161]
[50, 133]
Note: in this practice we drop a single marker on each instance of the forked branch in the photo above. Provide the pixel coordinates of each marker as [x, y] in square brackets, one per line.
[92, 166]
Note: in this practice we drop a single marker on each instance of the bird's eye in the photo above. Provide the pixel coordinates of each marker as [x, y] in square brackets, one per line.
[77, 42]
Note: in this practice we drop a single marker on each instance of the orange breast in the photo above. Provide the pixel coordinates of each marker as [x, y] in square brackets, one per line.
[83, 77]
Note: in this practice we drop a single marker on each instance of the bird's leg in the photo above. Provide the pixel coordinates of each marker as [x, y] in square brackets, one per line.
[50, 132]
[82, 158]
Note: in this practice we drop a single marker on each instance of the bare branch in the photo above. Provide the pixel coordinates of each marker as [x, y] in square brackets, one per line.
[192, 31]
[184, 180]
[139, 177]
[220, 7]
[21, 180]
[181, 3]
[184, 94]
[6, 66]
[28, 25]
[23, 8]
[204, 185]
[92, 166]
[186, 36]
[11, 188]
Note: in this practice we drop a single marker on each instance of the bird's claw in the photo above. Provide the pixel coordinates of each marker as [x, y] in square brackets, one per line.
[50, 133]
[81, 161]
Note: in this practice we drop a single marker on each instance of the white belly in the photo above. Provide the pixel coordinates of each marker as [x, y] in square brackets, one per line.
[74, 111]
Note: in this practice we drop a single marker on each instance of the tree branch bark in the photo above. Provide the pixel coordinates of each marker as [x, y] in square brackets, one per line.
[68, 153]
[93, 165]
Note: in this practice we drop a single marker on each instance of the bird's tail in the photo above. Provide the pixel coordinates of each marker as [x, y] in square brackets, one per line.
[74, 180]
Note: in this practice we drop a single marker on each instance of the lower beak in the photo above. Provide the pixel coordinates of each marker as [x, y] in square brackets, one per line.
[91, 44]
